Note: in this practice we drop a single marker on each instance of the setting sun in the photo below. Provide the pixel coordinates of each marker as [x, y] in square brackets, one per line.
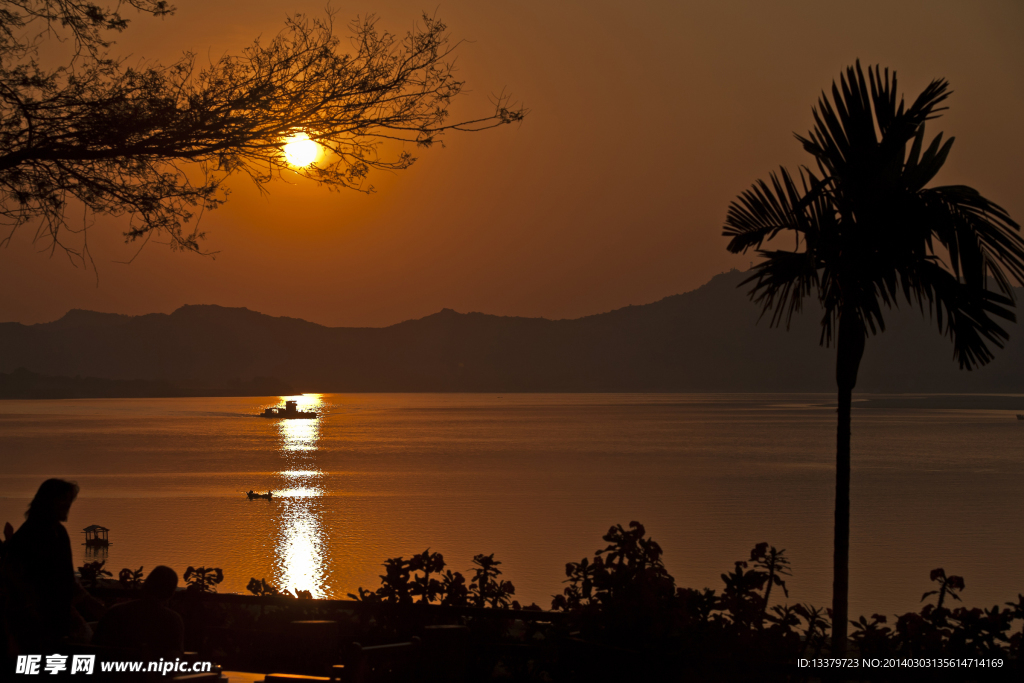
[299, 150]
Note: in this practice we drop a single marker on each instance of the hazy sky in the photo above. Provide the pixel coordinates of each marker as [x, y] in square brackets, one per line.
[646, 120]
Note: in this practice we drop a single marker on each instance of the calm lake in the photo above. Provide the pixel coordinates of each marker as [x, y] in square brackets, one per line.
[536, 479]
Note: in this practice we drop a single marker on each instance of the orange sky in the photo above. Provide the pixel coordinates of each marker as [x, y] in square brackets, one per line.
[646, 120]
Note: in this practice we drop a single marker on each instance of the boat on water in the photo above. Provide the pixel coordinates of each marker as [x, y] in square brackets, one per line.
[1020, 417]
[254, 496]
[289, 412]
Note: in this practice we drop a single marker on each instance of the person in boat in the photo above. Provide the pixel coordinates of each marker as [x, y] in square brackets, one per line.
[147, 624]
[39, 588]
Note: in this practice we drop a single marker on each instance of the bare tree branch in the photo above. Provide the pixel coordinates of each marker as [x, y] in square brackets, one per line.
[155, 143]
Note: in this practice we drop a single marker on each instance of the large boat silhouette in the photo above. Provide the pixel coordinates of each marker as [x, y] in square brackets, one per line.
[289, 412]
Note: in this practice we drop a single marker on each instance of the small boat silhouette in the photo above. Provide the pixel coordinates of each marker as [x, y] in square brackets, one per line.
[289, 412]
[253, 495]
[1020, 417]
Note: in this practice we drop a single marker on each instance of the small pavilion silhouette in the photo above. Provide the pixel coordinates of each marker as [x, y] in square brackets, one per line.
[96, 535]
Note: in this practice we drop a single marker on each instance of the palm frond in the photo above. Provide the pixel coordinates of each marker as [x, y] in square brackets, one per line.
[979, 234]
[781, 282]
[761, 212]
[845, 141]
[862, 297]
[964, 313]
[883, 97]
[919, 170]
[926, 106]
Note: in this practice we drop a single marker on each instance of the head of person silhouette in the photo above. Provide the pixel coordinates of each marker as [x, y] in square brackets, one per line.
[53, 501]
[160, 584]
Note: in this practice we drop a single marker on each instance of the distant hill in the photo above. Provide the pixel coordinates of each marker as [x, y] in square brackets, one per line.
[706, 340]
[23, 384]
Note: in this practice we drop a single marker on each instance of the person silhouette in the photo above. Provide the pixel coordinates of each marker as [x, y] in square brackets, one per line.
[38, 574]
[146, 624]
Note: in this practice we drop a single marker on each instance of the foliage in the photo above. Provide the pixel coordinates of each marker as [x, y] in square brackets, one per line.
[92, 572]
[155, 142]
[937, 631]
[626, 579]
[632, 623]
[130, 578]
[203, 580]
[624, 605]
[948, 585]
[403, 580]
[454, 592]
[625, 596]
[260, 588]
[815, 633]
[486, 590]
[423, 579]
[774, 563]
[741, 599]
[425, 587]
[86, 21]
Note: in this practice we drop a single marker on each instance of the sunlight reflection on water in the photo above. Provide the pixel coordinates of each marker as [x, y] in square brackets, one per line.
[301, 435]
[299, 559]
[300, 548]
[298, 492]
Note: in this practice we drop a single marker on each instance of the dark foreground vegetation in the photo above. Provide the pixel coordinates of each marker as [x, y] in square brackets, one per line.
[620, 617]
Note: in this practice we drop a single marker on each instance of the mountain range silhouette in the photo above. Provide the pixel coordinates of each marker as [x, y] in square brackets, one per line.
[706, 340]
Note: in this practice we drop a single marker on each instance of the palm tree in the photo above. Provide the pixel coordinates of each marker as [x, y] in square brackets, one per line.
[868, 233]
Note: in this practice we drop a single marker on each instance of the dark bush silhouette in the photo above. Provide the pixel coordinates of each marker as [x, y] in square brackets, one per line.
[129, 578]
[260, 588]
[629, 618]
[423, 579]
[620, 617]
[92, 572]
[203, 580]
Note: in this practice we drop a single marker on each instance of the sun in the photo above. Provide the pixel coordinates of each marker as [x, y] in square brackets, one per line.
[299, 150]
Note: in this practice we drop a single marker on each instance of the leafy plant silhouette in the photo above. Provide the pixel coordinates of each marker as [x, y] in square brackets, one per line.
[624, 603]
[948, 585]
[92, 572]
[203, 580]
[628, 570]
[485, 589]
[260, 588]
[423, 579]
[129, 578]
[625, 619]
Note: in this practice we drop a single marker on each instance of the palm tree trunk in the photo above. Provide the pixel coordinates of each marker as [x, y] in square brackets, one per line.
[849, 350]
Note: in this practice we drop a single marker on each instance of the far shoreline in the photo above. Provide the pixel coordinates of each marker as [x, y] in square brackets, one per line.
[24, 385]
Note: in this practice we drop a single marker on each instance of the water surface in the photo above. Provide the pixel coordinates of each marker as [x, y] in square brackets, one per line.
[536, 479]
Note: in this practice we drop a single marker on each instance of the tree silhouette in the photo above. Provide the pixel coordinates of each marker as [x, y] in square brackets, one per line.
[867, 231]
[156, 142]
